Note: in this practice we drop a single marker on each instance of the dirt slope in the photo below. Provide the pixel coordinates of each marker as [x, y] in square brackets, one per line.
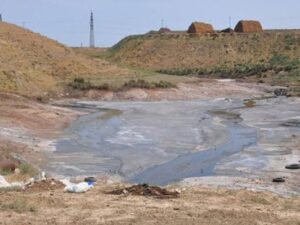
[31, 64]
[180, 50]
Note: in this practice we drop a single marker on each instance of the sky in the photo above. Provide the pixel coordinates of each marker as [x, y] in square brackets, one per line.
[67, 21]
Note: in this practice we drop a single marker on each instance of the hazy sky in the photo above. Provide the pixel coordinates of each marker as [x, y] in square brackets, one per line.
[68, 20]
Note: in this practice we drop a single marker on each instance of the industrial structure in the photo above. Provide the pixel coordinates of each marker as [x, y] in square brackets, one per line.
[92, 32]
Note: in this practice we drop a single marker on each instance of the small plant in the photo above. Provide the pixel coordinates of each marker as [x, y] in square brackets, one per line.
[5, 172]
[82, 85]
[164, 84]
[27, 169]
[249, 103]
[147, 85]
[290, 40]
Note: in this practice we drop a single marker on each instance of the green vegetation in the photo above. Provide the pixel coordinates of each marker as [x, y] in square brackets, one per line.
[249, 103]
[82, 85]
[145, 84]
[27, 169]
[5, 172]
[238, 70]
[277, 63]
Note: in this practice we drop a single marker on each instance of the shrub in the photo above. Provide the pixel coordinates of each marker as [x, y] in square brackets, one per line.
[249, 103]
[147, 85]
[27, 169]
[81, 84]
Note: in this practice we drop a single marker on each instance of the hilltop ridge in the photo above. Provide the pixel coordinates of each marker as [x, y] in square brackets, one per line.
[180, 50]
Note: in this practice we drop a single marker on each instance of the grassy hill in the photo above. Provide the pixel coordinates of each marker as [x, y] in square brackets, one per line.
[272, 56]
[33, 65]
[179, 50]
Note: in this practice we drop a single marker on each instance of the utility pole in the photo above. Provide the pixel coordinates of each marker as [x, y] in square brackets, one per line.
[162, 23]
[92, 32]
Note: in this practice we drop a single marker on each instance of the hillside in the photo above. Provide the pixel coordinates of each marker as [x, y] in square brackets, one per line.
[33, 65]
[179, 50]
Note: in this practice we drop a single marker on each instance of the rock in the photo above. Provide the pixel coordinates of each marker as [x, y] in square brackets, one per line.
[278, 180]
[281, 92]
[293, 166]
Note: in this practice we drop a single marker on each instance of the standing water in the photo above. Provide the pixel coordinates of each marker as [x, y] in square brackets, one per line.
[151, 142]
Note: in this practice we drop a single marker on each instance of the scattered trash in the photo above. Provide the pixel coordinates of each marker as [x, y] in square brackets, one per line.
[293, 166]
[4, 183]
[43, 185]
[76, 188]
[146, 190]
[90, 180]
[279, 180]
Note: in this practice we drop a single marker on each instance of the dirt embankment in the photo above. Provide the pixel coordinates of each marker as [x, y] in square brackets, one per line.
[31, 116]
[192, 88]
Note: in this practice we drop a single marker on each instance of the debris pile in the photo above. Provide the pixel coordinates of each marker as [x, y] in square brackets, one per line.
[44, 185]
[146, 190]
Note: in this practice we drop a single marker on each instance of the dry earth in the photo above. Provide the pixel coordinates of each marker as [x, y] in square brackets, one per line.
[192, 88]
[194, 206]
[32, 122]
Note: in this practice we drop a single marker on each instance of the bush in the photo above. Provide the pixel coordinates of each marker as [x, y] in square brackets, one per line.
[249, 103]
[27, 169]
[147, 85]
[82, 85]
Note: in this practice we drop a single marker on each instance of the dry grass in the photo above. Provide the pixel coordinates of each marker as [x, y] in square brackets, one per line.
[179, 50]
[194, 206]
[18, 206]
[33, 65]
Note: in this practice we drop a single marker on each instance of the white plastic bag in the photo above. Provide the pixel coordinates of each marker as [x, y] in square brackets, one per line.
[4, 183]
[76, 188]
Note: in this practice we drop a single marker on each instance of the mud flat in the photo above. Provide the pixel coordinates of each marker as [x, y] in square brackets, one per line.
[165, 142]
[278, 142]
